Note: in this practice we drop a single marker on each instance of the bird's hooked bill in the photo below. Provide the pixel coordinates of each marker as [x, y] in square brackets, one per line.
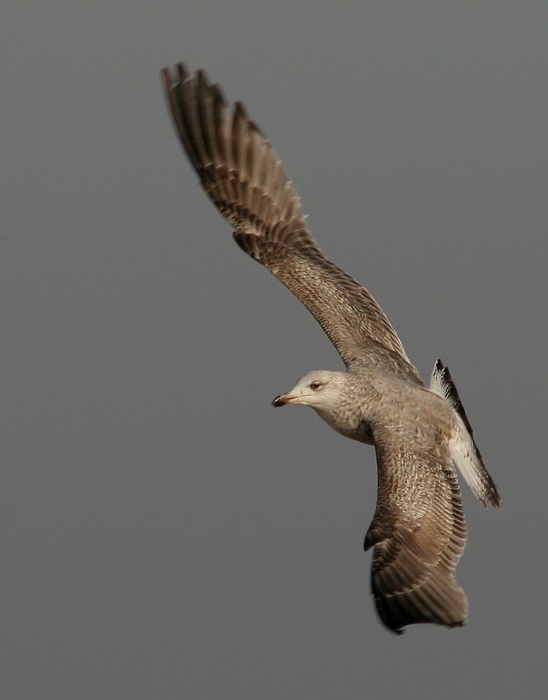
[280, 400]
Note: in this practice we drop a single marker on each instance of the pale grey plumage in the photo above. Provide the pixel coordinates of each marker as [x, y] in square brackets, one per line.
[418, 530]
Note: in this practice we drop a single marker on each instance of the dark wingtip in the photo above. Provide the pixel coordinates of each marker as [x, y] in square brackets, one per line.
[167, 79]
[182, 72]
[177, 76]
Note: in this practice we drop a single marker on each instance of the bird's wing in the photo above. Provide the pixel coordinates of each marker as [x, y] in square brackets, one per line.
[247, 182]
[418, 534]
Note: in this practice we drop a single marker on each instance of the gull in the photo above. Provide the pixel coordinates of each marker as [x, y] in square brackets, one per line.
[419, 433]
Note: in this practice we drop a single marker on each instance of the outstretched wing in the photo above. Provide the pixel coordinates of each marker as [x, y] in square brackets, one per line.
[247, 182]
[418, 534]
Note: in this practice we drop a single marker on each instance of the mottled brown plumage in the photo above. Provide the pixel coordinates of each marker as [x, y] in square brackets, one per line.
[418, 531]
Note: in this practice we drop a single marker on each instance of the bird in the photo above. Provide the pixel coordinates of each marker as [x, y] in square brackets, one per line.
[419, 433]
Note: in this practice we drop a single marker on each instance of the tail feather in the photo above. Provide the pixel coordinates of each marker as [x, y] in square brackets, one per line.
[464, 450]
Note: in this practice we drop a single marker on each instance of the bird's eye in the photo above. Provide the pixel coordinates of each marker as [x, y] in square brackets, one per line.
[315, 385]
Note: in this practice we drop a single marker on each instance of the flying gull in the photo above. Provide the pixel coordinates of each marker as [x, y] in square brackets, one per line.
[418, 531]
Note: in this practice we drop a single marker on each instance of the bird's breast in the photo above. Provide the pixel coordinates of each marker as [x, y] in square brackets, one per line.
[350, 424]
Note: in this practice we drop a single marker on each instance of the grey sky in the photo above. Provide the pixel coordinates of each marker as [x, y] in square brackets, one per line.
[165, 533]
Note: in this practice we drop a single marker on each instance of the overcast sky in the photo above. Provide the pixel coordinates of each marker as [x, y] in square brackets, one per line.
[164, 532]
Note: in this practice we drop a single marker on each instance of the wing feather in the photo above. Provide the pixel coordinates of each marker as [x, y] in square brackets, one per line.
[247, 182]
[418, 534]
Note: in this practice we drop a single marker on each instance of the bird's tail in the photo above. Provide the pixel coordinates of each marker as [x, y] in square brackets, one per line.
[464, 450]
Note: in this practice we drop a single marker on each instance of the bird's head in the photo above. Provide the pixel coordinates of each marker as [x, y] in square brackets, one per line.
[319, 389]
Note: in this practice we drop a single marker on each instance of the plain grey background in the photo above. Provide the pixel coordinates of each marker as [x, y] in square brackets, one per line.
[164, 532]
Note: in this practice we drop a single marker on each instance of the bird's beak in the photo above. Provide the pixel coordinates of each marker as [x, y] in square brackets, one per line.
[283, 399]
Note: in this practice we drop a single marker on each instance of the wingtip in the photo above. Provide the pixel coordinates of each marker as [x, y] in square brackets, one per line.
[182, 72]
[165, 74]
[176, 75]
